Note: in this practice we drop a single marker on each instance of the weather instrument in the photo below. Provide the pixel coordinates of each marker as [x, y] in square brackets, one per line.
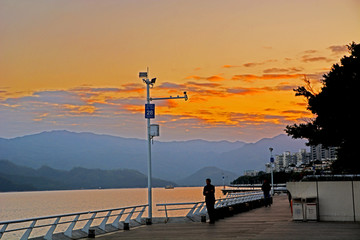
[153, 130]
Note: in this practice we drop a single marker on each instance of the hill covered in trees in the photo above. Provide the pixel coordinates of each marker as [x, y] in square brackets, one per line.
[19, 178]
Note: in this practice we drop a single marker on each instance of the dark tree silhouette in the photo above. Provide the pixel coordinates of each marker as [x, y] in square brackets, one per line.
[335, 107]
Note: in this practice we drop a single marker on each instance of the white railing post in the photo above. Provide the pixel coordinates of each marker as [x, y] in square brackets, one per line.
[69, 230]
[49, 234]
[49, 228]
[191, 212]
[127, 220]
[198, 209]
[117, 219]
[166, 215]
[138, 218]
[104, 221]
[218, 203]
[88, 224]
[204, 210]
[28, 231]
[3, 230]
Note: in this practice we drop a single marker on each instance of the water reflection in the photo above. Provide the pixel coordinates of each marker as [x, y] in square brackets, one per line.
[20, 205]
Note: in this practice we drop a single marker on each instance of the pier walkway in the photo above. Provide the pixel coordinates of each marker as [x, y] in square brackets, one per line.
[262, 223]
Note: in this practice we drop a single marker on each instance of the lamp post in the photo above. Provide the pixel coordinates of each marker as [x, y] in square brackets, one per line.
[271, 169]
[223, 178]
[150, 113]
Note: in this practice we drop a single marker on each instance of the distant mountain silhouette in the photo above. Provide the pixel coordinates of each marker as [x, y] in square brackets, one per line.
[7, 185]
[19, 178]
[170, 160]
[214, 173]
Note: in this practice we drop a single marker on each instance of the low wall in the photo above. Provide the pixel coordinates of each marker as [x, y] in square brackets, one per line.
[338, 200]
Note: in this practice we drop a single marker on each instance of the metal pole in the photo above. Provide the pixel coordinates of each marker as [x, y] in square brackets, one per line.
[271, 168]
[223, 177]
[148, 100]
[272, 180]
[149, 157]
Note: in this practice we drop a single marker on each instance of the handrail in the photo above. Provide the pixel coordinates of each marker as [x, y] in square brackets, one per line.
[188, 203]
[256, 185]
[331, 177]
[199, 208]
[129, 211]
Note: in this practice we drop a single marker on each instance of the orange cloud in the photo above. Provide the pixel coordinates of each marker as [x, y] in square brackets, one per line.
[211, 78]
[251, 91]
[257, 119]
[210, 85]
[285, 70]
[339, 49]
[75, 109]
[215, 78]
[296, 112]
[251, 64]
[166, 104]
[40, 117]
[230, 66]
[251, 77]
[133, 88]
[243, 91]
[308, 58]
[194, 77]
[254, 64]
[133, 108]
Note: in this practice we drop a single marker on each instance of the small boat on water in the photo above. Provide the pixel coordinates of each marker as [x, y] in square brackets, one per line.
[169, 187]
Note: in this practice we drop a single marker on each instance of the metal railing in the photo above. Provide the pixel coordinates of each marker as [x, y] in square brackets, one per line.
[255, 185]
[199, 208]
[52, 222]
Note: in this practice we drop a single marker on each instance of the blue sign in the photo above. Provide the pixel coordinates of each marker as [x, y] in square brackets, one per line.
[271, 159]
[149, 110]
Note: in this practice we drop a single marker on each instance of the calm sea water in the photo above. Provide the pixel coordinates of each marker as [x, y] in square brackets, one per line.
[18, 205]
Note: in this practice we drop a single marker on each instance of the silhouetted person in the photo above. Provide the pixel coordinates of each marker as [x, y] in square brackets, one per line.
[209, 193]
[266, 189]
[289, 197]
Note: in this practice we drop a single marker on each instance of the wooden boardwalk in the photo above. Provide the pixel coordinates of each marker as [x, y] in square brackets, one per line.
[263, 223]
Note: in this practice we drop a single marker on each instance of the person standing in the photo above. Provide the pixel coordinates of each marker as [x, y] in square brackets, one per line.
[209, 193]
[266, 189]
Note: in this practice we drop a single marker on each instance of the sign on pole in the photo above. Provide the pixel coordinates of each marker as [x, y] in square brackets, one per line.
[149, 110]
[143, 74]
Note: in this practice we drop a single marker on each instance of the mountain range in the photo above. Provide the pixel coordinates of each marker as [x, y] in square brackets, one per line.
[20, 178]
[218, 177]
[172, 161]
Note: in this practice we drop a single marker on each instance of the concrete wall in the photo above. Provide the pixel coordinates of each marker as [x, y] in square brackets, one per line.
[338, 200]
[357, 200]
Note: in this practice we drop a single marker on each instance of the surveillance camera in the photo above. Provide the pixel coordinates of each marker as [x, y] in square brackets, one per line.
[153, 80]
[186, 97]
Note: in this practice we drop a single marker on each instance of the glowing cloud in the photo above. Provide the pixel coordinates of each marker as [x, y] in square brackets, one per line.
[251, 77]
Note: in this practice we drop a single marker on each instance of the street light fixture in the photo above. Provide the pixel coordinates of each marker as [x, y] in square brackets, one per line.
[152, 131]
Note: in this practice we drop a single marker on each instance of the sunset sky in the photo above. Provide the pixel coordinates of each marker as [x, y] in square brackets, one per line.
[74, 64]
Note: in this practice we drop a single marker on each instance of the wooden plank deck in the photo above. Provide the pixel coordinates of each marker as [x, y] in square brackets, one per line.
[263, 223]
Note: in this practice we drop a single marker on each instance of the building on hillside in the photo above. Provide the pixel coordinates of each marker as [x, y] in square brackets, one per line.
[320, 153]
[302, 157]
[319, 158]
[251, 173]
[268, 168]
[288, 161]
[279, 160]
